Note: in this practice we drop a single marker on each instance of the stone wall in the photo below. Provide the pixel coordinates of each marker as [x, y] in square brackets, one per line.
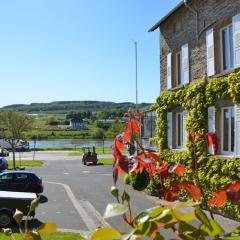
[180, 28]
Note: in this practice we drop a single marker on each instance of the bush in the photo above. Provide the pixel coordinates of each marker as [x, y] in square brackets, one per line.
[139, 181]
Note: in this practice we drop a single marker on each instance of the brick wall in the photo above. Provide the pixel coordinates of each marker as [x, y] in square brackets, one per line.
[180, 28]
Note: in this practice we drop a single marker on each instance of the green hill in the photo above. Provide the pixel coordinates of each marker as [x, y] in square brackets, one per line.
[65, 107]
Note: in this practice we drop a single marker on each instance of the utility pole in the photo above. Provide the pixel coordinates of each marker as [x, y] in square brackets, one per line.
[136, 62]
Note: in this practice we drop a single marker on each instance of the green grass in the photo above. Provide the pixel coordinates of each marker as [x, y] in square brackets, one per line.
[26, 163]
[106, 161]
[99, 150]
[52, 236]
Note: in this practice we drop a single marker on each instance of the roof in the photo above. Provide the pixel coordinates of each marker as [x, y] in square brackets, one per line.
[157, 25]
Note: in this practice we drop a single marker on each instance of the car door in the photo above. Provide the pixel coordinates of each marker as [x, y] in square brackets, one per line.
[6, 180]
[20, 182]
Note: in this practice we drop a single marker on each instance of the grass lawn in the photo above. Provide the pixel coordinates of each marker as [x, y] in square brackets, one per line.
[52, 236]
[26, 163]
[106, 161]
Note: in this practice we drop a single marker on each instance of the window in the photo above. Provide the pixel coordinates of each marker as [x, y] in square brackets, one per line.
[179, 128]
[228, 130]
[178, 68]
[227, 47]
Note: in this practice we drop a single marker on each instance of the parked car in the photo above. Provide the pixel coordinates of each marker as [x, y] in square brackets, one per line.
[10, 201]
[20, 145]
[3, 163]
[4, 152]
[20, 181]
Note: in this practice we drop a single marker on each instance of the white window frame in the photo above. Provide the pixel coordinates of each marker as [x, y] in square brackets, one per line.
[229, 132]
[221, 48]
[181, 130]
[177, 75]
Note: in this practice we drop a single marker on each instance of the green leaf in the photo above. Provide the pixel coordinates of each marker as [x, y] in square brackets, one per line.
[47, 227]
[115, 209]
[107, 233]
[156, 211]
[214, 230]
[184, 217]
[125, 197]
[202, 217]
[141, 218]
[185, 227]
[146, 229]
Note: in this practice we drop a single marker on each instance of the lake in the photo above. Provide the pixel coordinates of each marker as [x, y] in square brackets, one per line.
[76, 143]
[69, 143]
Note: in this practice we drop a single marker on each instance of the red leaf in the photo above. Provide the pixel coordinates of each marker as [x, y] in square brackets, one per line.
[179, 169]
[115, 171]
[219, 198]
[128, 132]
[135, 126]
[192, 190]
[141, 114]
[163, 172]
[171, 195]
[154, 156]
[233, 186]
[233, 195]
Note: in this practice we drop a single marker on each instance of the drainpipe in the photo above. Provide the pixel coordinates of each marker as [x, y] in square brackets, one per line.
[196, 13]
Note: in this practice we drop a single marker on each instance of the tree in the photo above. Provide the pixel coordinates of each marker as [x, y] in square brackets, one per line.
[14, 123]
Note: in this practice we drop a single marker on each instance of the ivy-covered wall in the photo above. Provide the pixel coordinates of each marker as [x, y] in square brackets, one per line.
[214, 172]
[195, 98]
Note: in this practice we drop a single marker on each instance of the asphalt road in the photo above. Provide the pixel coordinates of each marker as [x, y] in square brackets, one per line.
[78, 195]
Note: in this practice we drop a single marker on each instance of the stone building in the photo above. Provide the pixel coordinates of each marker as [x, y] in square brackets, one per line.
[200, 39]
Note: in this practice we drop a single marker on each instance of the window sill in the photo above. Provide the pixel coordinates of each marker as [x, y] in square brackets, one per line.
[224, 73]
[222, 156]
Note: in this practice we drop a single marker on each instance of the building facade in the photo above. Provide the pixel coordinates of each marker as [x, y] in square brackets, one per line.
[200, 39]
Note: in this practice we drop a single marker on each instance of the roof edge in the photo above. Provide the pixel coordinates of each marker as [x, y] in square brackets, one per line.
[157, 25]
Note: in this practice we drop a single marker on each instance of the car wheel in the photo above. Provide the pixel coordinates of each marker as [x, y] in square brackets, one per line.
[6, 218]
[84, 163]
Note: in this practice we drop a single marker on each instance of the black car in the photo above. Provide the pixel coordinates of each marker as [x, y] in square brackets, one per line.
[20, 181]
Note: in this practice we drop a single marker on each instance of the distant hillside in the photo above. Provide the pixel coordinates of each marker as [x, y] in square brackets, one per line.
[65, 107]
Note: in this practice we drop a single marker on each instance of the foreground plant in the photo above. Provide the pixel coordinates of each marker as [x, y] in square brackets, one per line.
[28, 234]
[186, 220]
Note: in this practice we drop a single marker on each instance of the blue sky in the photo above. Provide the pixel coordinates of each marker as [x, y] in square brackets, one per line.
[52, 50]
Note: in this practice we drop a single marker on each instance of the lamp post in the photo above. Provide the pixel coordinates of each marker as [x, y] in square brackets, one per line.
[136, 74]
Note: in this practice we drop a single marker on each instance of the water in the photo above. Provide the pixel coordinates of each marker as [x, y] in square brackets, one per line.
[70, 143]
[76, 143]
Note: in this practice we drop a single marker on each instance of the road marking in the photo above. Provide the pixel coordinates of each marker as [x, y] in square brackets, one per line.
[66, 173]
[91, 225]
[93, 213]
[85, 171]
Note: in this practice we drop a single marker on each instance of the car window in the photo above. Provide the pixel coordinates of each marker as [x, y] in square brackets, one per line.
[21, 176]
[5, 177]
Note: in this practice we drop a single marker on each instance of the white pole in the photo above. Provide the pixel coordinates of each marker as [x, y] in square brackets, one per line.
[135, 43]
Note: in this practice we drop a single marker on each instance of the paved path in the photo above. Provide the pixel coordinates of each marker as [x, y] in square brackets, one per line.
[77, 194]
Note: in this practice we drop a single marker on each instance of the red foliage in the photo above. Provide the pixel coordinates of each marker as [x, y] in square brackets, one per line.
[178, 168]
[154, 156]
[219, 198]
[163, 172]
[230, 192]
[173, 192]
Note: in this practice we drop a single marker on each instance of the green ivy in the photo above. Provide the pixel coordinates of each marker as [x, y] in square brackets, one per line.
[214, 174]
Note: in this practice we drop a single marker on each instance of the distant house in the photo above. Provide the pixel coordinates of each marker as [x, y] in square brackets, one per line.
[77, 124]
[107, 122]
